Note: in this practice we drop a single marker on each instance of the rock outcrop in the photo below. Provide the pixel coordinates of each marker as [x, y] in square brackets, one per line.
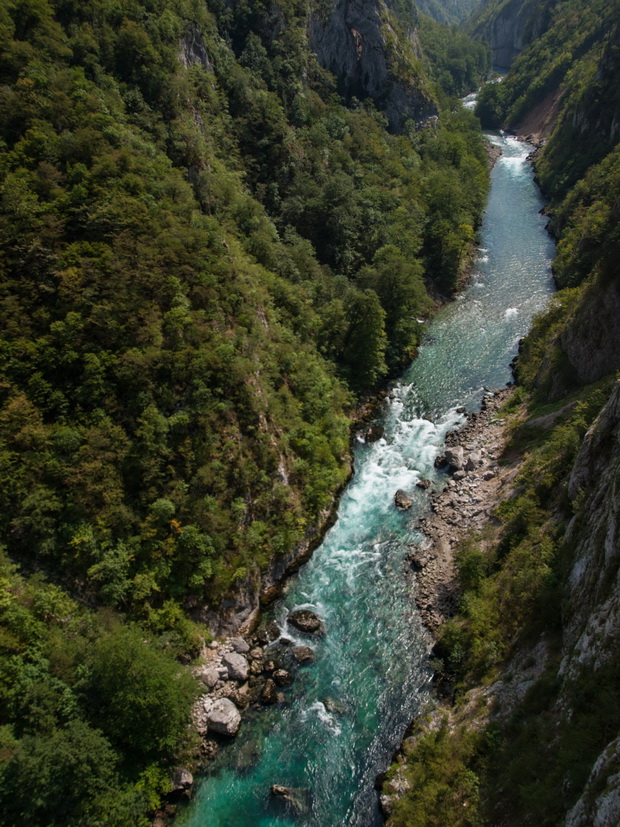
[402, 500]
[511, 27]
[306, 621]
[592, 630]
[358, 44]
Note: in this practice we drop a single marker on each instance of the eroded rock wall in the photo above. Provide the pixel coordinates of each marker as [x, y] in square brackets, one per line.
[511, 27]
[357, 43]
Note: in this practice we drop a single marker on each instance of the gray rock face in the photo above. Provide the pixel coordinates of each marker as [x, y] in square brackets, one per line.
[354, 42]
[306, 621]
[591, 340]
[599, 804]
[193, 51]
[224, 717]
[237, 666]
[402, 500]
[510, 30]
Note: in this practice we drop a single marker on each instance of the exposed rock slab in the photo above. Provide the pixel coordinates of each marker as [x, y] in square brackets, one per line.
[224, 717]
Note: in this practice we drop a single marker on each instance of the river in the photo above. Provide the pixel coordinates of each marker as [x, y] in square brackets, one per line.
[346, 713]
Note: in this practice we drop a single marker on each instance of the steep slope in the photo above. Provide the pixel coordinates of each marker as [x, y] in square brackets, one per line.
[207, 260]
[354, 42]
[510, 25]
[531, 657]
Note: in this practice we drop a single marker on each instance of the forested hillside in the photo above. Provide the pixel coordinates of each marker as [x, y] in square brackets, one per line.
[530, 662]
[211, 250]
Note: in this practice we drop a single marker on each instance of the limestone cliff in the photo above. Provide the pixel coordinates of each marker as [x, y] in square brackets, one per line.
[591, 633]
[357, 41]
[587, 345]
[510, 26]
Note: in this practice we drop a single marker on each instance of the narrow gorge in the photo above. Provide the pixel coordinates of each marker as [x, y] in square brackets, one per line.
[279, 544]
[345, 714]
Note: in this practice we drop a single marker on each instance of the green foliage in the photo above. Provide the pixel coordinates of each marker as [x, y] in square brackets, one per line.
[138, 697]
[511, 587]
[205, 260]
[87, 705]
[444, 789]
[456, 62]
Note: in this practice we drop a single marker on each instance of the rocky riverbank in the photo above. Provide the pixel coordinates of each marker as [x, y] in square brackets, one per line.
[476, 482]
[237, 673]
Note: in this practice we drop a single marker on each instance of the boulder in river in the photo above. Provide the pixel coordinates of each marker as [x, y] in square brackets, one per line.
[295, 798]
[282, 677]
[303, 654]
[224, 717]
[402, 500]
[273, 630]
[306, 621]
[237, 666]
[333, 706]
[423, 484]
[374, 433]
[269, 695]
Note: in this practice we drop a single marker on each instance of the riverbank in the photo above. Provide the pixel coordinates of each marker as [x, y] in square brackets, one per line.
[481, 478]
[477, 481]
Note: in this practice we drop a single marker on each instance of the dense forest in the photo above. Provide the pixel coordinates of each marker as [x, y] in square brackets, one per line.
[208, 258]
[541, 588]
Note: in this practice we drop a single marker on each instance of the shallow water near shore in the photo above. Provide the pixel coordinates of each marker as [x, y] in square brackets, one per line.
[346, 713]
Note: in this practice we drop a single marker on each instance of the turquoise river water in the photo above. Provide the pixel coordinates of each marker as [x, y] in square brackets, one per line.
[346, 713]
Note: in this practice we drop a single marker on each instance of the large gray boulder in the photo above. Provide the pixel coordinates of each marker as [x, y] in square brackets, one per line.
[224, 717]
[473, 461]
[237, 666]
[240, 645]
[455, 457]
[208, 674]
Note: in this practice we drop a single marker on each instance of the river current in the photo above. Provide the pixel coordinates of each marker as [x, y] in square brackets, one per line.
[346, 713]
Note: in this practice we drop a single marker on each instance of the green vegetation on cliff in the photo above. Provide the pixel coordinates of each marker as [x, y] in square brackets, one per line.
[206, 259]
[545, 588]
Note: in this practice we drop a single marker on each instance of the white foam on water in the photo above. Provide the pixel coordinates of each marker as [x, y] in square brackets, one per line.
[511, 313]
[318, 710]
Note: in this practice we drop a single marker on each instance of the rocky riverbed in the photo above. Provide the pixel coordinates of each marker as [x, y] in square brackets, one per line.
[476, 481]
[241, 672]
[237, 673]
